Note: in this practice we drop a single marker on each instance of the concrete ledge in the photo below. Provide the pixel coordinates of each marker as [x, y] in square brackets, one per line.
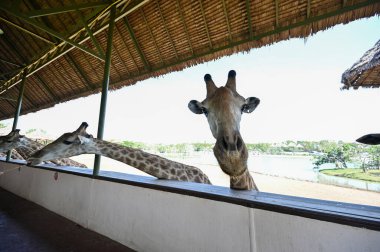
[147, 214]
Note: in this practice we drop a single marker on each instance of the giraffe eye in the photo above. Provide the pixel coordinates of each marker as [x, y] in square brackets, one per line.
[67, 142]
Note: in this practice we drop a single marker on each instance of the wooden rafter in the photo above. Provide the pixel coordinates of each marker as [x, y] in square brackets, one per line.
[9, 62]
[152, 36]
[26, 30]
[166, 30]
[63, 9]
[62, 48]
[116, 50]
[180, 11]
[227, 19]
[129, 52]
[14, 50]
[205, 23]
[249, 19]
[136, 43]
[79, 70]
[276, 3]
[48, 30]
[46, 87]
[90, 33]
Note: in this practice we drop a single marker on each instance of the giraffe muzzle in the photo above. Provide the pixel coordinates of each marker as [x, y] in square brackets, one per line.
[230, 143]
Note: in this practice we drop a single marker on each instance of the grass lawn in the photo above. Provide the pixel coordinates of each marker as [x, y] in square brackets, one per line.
[370, 175]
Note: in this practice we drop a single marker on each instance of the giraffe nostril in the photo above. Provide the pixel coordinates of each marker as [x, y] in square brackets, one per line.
[224, 144]
[231, 142]
[239, 143]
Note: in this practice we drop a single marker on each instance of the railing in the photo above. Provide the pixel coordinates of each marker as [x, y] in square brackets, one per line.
[159, 215]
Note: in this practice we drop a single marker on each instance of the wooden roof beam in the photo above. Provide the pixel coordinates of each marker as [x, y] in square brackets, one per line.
[26, 31]
[2, 112]
[10, 103]
[180, 11]
[10, 72]
[7, 98]
[14, 50]
[28, 99]
[89, 32]
[79, 70]
[49, 31]
[63, 9]
[129, 52]
[47, 88]
[166, 30]
[265, 34]
[205, 22]
[227, 19]
[249, 19]
[134, 40]
[276, 3]
[9, 62]
[63, 48]
[118, 54]
[151, 34]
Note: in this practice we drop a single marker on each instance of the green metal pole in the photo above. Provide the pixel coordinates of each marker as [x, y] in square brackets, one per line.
[106, 80]
[18, 108]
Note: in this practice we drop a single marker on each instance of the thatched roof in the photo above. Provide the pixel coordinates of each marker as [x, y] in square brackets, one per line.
[365, 72]
[151, 38]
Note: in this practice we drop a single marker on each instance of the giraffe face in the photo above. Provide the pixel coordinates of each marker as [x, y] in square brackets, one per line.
[11, 141]
[223, 108]
[67, 145]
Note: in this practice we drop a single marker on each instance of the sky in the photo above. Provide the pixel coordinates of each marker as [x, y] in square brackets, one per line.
[298, 82]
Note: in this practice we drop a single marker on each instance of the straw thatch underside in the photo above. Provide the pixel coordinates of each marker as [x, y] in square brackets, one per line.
[365, 72]
[156, 38]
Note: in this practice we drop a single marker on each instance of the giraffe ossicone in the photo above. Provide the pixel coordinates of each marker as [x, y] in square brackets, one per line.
[80, 142]
[223, 108]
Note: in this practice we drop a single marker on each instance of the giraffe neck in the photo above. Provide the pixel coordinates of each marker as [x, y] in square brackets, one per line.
[154, 165]
[27, 147]
[243, 181]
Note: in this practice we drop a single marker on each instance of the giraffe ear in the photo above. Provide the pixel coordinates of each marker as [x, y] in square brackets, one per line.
[196, 107]
[250, 105]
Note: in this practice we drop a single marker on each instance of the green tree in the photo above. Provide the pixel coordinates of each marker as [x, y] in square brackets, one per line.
[308, 146]
[202, 146]
[181, 148]
[135, 145]
[374, 156]
[336, 154]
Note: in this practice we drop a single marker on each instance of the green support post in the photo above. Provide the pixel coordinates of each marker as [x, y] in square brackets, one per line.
[18, 108]
[106, 80]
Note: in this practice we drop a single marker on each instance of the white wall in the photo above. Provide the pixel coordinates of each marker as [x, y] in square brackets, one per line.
[152, 220]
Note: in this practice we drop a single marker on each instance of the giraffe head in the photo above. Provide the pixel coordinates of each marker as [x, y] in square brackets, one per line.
[223, 108]
[67, 145]
[11, 141]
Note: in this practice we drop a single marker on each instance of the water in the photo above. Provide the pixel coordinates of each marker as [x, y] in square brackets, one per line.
[293, 167]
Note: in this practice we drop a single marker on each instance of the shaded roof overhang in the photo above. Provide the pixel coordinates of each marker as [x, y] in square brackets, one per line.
[365, 72]
[61, 43]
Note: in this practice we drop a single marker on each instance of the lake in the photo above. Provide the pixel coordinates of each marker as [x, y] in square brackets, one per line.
[286, 166]
[293, 167]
